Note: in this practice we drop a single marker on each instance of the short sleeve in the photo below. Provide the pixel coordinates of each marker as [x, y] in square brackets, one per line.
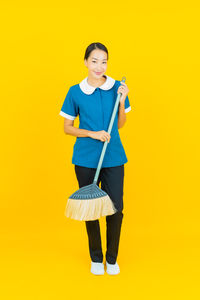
[69, 108]
[127, 105]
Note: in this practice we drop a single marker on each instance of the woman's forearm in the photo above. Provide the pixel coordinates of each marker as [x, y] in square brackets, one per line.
[121, 115]
[71, 130]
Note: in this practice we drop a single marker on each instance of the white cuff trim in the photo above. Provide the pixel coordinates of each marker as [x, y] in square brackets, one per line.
[127, 109]
[66, 115]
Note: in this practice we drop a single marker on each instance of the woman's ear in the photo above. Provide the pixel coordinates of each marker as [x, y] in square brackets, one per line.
[85, 62]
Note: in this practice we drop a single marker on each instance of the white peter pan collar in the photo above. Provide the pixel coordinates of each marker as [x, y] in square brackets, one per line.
[89, 89]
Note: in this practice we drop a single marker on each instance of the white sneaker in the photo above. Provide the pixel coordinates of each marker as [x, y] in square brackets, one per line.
[97, 268]
[112, 269]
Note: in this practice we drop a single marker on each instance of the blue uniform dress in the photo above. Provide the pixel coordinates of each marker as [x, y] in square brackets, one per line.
[94, 106]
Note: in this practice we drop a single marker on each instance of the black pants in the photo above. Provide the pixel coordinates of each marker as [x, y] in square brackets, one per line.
[112, 181]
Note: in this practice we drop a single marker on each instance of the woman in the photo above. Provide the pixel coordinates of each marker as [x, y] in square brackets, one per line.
[93, 99]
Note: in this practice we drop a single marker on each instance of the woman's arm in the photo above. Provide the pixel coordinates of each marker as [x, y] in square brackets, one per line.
[70, 129]
[123, 89]
[121, 115]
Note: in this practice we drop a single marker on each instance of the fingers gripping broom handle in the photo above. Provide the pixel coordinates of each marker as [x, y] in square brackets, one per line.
[109, 131]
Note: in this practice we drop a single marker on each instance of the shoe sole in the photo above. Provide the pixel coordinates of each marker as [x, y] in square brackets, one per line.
[98, 273]
[112, 273]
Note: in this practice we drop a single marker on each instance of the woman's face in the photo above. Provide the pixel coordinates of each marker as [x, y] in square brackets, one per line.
[96, 63]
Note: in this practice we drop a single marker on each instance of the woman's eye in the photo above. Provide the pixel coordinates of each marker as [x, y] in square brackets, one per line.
[103, 62]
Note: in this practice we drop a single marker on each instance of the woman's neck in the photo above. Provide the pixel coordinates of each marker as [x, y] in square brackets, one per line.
[96, 82]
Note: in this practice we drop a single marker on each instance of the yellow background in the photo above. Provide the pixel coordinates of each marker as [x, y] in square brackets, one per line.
[154, 44]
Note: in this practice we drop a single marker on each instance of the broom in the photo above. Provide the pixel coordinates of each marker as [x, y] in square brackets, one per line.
[90, 202]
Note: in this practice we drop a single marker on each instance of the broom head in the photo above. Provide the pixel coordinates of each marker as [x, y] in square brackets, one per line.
[89, 203]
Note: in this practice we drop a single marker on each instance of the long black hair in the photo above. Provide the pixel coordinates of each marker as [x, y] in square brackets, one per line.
[93, 46]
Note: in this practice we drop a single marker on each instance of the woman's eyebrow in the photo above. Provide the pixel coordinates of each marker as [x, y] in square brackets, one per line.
[97, 58]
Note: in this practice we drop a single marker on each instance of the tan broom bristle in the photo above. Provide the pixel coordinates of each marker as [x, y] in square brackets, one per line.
[89, 209]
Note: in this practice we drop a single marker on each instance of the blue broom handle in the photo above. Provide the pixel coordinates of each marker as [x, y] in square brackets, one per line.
[109, 131]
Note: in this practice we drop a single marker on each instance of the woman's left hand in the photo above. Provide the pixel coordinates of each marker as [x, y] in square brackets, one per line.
[124, 90]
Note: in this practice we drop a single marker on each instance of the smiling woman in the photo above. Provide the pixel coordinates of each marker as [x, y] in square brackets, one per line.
[93, 99]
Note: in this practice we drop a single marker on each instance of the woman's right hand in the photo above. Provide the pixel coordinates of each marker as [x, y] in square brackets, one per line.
[100, 135]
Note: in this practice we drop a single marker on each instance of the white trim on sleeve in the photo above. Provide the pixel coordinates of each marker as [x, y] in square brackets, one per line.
[66, 115]
[127, 109]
